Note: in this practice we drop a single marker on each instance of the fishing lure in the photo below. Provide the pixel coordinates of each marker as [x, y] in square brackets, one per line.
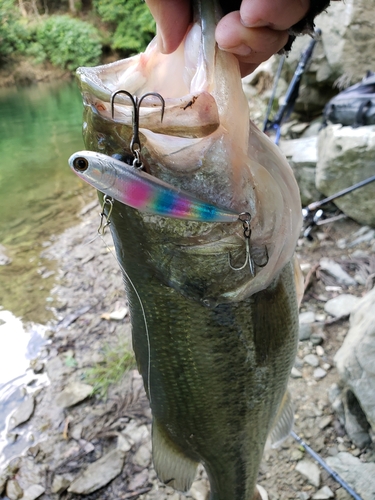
[142, 191]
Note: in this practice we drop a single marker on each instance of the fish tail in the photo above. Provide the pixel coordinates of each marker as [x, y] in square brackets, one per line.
[172, 466]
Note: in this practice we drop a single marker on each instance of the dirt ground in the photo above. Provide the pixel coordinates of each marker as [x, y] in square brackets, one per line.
[91, 318]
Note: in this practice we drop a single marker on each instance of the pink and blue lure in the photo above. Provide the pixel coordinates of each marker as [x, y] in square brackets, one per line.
[142, 191]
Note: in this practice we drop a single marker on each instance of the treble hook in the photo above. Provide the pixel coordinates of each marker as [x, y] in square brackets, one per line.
[245, 218]
[135, 143]
[106, 200]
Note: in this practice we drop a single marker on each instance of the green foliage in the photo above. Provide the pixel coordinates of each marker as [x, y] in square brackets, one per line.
[134, 26]
[13, 33]
[117, 361]
[67, 42]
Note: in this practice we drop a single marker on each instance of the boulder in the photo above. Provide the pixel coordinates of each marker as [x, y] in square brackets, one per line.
[360, 476]
[302, 157]
[345, 52]
[345, 157]
[355, 359]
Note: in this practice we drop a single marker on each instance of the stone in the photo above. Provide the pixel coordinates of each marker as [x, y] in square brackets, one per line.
[325, 422]
[4, 259]
[355, 421]
[33, 492]
[344, 52]
[142, 456]
[305, 331]
[302, 157]
[59, 484]
[23, 412]
[355, 359]
[323, 494]
[342, 494]
[306, 317]
[342, 305]
[319, 373]
[311, 360]
[359, 475]
[310, 470]
[13, 490]
[345, 157]
[200, 490]
[74, 393]
[99, 473]
[335, 270]
[295, 373]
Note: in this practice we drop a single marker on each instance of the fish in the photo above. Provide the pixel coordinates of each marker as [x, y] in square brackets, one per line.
[214, 342]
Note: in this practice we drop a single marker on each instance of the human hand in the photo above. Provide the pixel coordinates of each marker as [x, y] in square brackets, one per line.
[253, 33]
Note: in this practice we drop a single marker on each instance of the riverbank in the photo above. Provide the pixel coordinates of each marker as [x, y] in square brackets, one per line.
[79, 445]
[23, 71]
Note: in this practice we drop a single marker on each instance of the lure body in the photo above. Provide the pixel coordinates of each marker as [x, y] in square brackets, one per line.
[142, 191]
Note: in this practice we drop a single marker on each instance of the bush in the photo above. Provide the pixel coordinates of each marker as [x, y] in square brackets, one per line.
[68, 42]
[134, 26]
[13, 34]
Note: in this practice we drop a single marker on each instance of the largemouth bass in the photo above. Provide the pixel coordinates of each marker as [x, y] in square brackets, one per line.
[214, 341]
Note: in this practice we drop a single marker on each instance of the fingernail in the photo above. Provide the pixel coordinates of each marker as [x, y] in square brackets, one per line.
[239, 50]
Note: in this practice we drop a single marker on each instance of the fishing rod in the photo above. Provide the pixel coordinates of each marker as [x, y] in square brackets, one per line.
[325, 466]
[292, 92]
[313, 213]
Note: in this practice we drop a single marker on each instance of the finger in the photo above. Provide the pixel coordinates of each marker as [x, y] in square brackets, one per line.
[252, 45]
[278, 14]
[172, 19]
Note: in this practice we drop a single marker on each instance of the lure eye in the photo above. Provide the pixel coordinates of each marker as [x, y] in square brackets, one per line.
[80, 164]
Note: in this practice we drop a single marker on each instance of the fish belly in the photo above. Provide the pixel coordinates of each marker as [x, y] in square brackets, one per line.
[214, 374]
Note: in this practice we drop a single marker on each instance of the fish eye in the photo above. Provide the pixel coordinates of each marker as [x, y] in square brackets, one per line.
[80, 164]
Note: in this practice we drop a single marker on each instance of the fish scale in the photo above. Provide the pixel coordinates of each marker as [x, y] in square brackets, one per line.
[214, 379]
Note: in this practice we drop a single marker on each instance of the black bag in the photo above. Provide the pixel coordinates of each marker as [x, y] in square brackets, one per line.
[353, 106]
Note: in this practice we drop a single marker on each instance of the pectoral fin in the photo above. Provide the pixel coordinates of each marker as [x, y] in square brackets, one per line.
[172, 466]
[283, 422]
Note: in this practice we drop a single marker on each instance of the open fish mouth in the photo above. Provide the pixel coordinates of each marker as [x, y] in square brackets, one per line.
[205, 145]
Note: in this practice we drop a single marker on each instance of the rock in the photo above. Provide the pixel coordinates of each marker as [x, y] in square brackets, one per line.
[302, 157]
[262, 492]
[73, 393]
[311, 360]
[142, 456]
[123, 444]
[13, 490]
[319, 373]
[296, 455]
[117, 315]
[355, 421]
[306, 317]
[323, 494]
[325, 422]
[345, 157]
[342, 305]
[22, 413]
[59, 484]
[355, 359]
[346, 51]
[138, 481]
[359, 475]
[99, 473]
[4, 259]
[335, 270]
[200, 490]
[305, 331]
[342, 494]
[295, 373]
[310, 470]
[33, 492]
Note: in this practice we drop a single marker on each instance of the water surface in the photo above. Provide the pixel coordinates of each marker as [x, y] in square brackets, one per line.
[40, 127]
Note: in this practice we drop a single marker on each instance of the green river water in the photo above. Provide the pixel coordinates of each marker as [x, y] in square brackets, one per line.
[40, 127]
